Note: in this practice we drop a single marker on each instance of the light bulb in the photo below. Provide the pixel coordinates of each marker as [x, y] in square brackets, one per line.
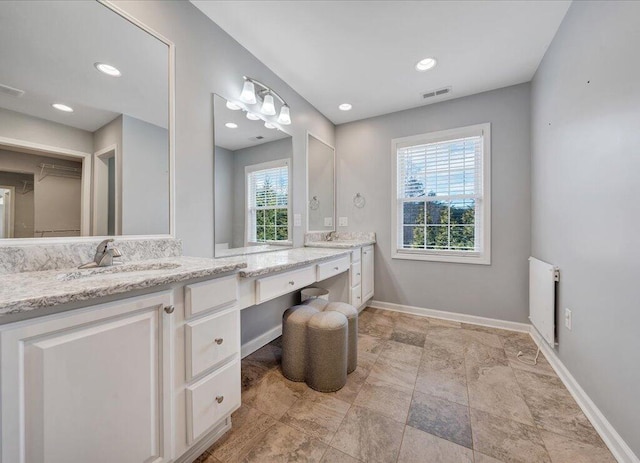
[62, 107]
[269, 125]
[108, 69]
[345, 107]
[231, 125]
[252, 117]
[268, 108]
[284, 117]
[426, 64]
[233, 106]
[248, 94]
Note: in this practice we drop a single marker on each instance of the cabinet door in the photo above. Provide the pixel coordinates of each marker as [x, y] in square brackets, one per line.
[93, 387]
[367, 273]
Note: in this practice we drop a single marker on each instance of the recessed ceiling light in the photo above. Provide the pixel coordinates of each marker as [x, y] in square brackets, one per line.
[426, 64]
[269, 125]
[345, 107]
[231, 125]
[62, 107]
[108, 69]
[233, 106]
[252, 117]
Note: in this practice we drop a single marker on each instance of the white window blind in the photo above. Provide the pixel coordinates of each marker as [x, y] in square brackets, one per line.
[440, 193]
[268, 202]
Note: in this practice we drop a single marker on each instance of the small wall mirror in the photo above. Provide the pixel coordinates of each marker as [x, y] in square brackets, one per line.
[84, 123]
[321, 162]
[253, 168]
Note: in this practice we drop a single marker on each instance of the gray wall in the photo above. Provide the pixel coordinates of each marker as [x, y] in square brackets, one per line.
[223, 195]
[364, 165]
[209, 61]
[585, 165]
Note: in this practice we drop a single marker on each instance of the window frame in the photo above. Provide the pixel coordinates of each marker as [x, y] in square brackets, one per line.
[482, 257]
[248, 219]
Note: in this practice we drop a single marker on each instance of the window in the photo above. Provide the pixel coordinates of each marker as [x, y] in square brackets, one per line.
[441, 203]
[268, 202]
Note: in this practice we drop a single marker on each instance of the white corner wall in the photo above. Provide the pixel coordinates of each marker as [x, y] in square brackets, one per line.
[585, 165]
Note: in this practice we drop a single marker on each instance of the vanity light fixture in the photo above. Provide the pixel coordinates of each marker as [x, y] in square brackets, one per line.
[62, 107]
[252, 116]
[233, 106]
[108, 69]
[231, 125]
[267, 97]
[269, 125]
[345, 107]
[426, 64]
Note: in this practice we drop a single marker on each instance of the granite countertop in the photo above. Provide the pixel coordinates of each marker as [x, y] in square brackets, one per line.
[339, 244]
[26, 291]
[271, 262]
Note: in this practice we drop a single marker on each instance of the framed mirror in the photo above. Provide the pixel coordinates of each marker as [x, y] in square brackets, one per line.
[253, 168]
[321, 185]
[86, 122]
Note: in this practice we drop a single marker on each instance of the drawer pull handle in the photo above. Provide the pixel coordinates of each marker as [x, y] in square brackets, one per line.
[169, 309]
[292, 282]
[335, 268]
[219, 399]
[358, 273]
[219, 341]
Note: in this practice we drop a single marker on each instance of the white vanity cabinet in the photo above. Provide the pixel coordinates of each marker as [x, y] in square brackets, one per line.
[367, 273]
[361, 276]
[91, 384]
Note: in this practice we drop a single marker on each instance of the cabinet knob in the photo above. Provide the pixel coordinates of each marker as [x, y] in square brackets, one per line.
[219, 399]
[335, 268]
[219, 341]
[358, 273]
[292, 282]
[169, 309]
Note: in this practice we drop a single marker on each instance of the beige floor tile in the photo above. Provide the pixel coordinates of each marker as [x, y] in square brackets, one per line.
[376, 325]
[441, 418]
[410, 330]
[485, 329]
[441, 322]
[394, 372]
[515, 342]
[418, 446]
[274, 394]
[285, 444]
[562, 449]
[355, 380]
[252, 373]
[248, 427]
[317, 414]
[443, 377]
[369, 344]
[554, 409]
[206, 458]
[385, 398]
[507, 440]
[482, 458]
[269, 356]
[336, 456]
[492, 385]
[369, 436]
[402, 352]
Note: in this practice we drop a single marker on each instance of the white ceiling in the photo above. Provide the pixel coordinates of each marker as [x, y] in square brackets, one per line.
[48, 49]
[364, 52]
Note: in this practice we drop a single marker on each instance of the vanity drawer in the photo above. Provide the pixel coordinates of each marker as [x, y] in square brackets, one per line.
[356, 255]
[356, 274]
[211, 340]
[208, 295]
[356, 296]
[271, 287]
[334, 267]
[211, 399]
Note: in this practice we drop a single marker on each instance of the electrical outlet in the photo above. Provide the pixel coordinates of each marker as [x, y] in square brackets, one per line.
[567, 318]
[297, 220]
[328, 221]
[343, 221]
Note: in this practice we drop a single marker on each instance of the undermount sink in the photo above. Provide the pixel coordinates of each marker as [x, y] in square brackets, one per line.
[121, 268]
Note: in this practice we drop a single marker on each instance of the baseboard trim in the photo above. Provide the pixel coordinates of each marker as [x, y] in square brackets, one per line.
[452, 316]
[256, 343]
[618, 447]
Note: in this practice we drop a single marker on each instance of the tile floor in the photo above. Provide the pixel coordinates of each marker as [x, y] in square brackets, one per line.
[426, 390]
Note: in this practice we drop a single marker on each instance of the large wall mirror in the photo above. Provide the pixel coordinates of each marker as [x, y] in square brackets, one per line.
[321, 200]
[85, 123]
[253, 184]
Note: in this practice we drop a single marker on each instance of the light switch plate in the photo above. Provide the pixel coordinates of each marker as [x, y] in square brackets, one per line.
[343, 221]
[297, 220]
[328, 221]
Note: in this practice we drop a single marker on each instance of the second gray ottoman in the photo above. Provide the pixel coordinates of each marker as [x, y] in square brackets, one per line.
[327, 351]
[351, 313]
[294, 341]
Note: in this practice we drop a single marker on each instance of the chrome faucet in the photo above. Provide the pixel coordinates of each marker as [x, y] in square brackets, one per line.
[330, 236]
[105, 254]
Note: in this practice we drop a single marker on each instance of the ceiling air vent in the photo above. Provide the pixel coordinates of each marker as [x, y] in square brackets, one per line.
[438, 92]
[6, 90]
[258, 137]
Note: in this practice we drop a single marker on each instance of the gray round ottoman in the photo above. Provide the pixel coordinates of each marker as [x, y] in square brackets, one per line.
[351, 313]
[316, 303]
[294, 341]
[327, 351]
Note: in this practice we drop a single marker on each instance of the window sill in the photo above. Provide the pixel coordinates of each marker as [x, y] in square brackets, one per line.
[478, 259]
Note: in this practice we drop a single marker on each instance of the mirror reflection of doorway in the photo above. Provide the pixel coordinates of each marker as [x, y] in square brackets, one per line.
[17, 205]
[7, 211]
[106, 219]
